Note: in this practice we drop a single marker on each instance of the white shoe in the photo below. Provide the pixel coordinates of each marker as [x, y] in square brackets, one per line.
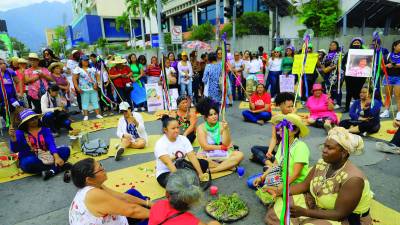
[85, 118]
[142, 109]
[98, 116]
[336, 106]
[385, 114]
[135, 109]
[387, 147]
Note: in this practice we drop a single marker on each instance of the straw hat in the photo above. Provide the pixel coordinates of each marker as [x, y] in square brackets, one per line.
[26, 115]
[33, 55]
[295, 120]
[118, 60]
[184, 53]
[22, 61]
[54, 65]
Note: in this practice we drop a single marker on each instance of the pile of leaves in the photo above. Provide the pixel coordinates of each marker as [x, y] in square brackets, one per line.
[227, 208]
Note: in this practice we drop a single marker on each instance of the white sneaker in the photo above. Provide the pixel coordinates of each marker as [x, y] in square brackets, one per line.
[142, 109]
[387, 147]
[98, 116]
[385, 114]
[85, 118]
[135, 109]
[336, 106]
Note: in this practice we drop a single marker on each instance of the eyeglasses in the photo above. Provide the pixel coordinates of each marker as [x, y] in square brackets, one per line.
[100, 170]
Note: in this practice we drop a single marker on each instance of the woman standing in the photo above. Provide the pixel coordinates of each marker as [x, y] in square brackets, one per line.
[172, 146]
[287, 61]
[48, 58]
[393, 82]
[143, 61]
[211, 78]
[220, 56]
[329, 69]
[249, 81]
[260, 107]
[171, 74]
[86, 83]
[237, 78]
[353, 84]
[274, 66]
[215, 139]
[335, 190]
[196, 75]
[363, 117]
[121, 76]
[173, 61]
[56, 69]
[22, 65]
[185, 72]
[36, 147]
[137, 75]
[95, 203]
[153, 71]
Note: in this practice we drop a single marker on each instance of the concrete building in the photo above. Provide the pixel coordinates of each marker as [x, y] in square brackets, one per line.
[94, 19]
[49, 36]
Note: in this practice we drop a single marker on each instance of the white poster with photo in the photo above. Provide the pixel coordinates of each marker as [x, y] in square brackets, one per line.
[360, 63]
[286, 83]
[173, 94]
[154, 97]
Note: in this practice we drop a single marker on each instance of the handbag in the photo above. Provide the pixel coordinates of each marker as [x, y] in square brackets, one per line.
[42, 89]
[182, 163]
[45, 156]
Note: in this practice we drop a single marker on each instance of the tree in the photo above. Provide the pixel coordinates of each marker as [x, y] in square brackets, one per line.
[320, 15]
[20, 47]
[203, 32]
[58, 43]
[249, 23]
[123, 22]
[3, 46]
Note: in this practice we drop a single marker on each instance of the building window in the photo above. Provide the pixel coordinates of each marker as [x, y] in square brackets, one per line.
[209, 14]
[185, 20]
[254, 6]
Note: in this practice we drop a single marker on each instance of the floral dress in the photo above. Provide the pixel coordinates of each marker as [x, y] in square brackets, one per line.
[323, 194]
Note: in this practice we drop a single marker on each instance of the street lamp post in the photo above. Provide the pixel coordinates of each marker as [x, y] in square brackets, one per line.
[141, 24]
[217, 22]
[160, 32]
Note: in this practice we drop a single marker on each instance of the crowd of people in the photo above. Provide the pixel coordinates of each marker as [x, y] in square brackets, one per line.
[40, 94]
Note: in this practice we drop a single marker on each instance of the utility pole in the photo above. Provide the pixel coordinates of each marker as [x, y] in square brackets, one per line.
[141, 24]
[160, 32]
[130, 28]
[235, 3]
[217, 22]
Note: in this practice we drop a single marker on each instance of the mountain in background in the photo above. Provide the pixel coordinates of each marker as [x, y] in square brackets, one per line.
[28, 24]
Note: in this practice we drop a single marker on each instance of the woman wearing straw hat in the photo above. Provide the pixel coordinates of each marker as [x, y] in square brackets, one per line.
[22, 65]
[335, 190]
[56, 70]
[37, 79]
[121, 76]
[36, 147]
[299, 156]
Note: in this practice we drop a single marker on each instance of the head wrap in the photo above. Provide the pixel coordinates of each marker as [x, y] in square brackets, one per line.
[352, 143]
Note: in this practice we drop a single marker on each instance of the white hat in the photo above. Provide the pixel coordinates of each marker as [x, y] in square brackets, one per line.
[123, 106]
[33, 55]
[74, 51]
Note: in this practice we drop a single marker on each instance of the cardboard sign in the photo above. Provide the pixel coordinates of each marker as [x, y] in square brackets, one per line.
[286, 83]
[360, 62]
[311, 62]
[154, 97]
[173, 93]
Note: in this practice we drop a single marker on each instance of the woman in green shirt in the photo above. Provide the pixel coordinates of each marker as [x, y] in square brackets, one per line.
[298, 152]
[138, 73]
[287, 61]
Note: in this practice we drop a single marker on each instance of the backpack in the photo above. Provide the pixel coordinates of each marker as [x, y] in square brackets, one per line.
[94, 147]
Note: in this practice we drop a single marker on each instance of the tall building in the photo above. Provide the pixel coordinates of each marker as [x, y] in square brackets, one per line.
[94, 19]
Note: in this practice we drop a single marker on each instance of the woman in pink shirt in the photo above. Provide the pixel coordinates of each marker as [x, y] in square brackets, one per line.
[321, 109]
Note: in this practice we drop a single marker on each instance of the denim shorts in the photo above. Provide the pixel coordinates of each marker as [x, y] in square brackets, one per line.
[392, 80]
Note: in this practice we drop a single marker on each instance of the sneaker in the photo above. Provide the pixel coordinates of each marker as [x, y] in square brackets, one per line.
[47, 174]
[387, 147]
[385, 114]
[110, 113]
[327, 127]
[98, 116]
[142, 109]
[336, 106]
[135, 109]
[85, 118]
[119, 153]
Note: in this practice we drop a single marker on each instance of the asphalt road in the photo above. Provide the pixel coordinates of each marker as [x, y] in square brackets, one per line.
[32, 201]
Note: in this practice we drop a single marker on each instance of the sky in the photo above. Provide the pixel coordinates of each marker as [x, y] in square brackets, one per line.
[10, 4]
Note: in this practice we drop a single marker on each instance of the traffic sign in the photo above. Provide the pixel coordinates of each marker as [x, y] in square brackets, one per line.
[176, 35]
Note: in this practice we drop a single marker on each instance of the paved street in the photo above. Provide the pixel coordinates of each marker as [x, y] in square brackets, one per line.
[31, 201]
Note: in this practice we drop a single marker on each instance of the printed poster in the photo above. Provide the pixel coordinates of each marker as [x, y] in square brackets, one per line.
[154, 97]
[286, 83]
[360, 62]
[311, 62]
[173, 93]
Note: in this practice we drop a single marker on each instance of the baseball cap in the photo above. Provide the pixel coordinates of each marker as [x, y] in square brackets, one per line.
[123, 106]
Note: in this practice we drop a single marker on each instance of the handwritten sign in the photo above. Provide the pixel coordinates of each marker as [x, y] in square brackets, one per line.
[312, 59]
[286, 83]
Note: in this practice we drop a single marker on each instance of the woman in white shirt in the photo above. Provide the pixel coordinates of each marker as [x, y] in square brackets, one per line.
[185, 71]
[249, 82]
[172, 146]
[255, 67]
[94, 203]
[131, 130]
[274, 66]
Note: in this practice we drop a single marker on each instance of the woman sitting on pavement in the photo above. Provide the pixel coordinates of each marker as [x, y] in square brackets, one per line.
[54, 113]
[94, 203]
[36, 147]
[186, 118]
[363, 117]
[183, 192]
[321, 108]
[299, 156]
[131, 130]
[215, 139]
[172, 146]
[264, 154]
[335, 190]
[260, 107]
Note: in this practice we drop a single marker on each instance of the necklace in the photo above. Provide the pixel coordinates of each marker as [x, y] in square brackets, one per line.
[325, 179]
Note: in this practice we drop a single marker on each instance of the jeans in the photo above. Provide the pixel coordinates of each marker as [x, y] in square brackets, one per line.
[89, 97]
[273, 81]
[125, 95]
[251, 179]
[56, 120]
[187, 89]
[371, 126]
[259, 153]
[32, 164]
[254, 117]
[396, 138]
